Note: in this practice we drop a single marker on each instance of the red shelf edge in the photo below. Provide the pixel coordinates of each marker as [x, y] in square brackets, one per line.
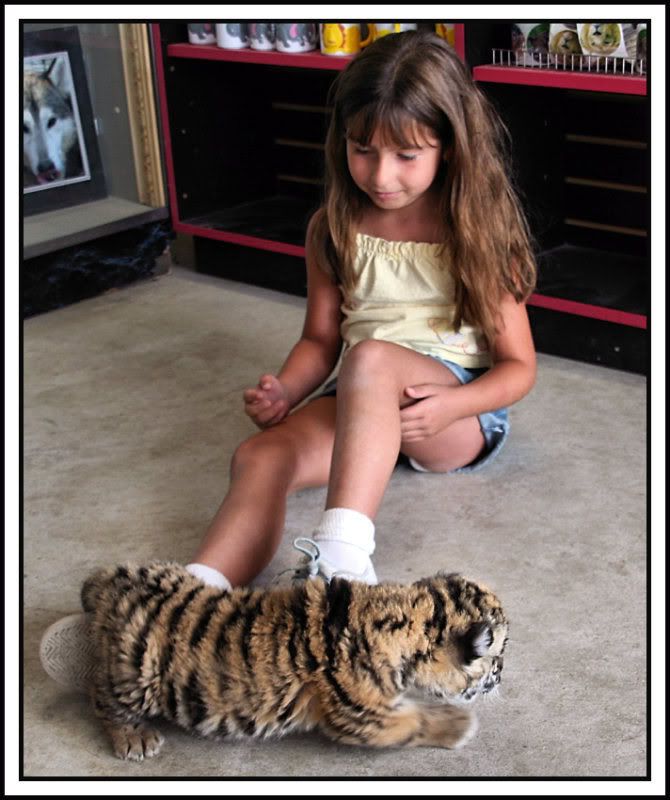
[539, 300]
[239, 238]
[528, 76]
[588, 310]
[311, 60]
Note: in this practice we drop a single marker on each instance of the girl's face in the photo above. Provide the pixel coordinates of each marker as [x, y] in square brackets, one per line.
[394, 177]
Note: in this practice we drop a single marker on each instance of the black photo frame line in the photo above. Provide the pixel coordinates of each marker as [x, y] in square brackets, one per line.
[88, 181]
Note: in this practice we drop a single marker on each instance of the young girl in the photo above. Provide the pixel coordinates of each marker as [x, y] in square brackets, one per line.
[420, 263]
[418, 266]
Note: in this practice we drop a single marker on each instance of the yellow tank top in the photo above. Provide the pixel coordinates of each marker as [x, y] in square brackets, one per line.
[405, 295]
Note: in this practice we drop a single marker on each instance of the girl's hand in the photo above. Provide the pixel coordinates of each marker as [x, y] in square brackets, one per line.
[429, 415]
[266, 404]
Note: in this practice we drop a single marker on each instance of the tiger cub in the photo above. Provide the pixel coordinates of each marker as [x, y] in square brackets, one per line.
[338, 657]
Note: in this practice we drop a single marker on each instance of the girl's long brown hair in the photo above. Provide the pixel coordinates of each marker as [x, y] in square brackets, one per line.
[414, 78]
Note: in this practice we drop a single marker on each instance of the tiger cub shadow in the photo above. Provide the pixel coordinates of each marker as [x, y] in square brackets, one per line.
[345, 658]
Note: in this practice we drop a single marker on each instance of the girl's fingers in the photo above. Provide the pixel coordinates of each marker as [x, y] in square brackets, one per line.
[406, 433]
[271, 413]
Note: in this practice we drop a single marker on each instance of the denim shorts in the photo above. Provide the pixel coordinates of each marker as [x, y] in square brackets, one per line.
[494, 424]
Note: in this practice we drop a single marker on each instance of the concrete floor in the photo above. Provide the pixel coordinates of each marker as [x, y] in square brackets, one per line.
[132, 405]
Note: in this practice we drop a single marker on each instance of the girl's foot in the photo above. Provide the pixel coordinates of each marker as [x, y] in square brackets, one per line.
[314, 565]
[67, 652]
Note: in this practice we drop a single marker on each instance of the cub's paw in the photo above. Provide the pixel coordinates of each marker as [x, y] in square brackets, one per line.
[135, 742]
[464, 728]
[448, 726]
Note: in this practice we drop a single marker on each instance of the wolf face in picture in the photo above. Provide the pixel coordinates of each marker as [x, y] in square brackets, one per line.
[50, 142]
[338, 657]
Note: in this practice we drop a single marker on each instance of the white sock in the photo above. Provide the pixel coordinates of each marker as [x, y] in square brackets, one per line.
[346, 539]
[209, 575]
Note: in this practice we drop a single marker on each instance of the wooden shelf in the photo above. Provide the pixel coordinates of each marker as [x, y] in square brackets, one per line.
[561, 79]
[588, 310]
[591, 298]
[592, 283]
[311, 60]
[276, 223]
[241, 239]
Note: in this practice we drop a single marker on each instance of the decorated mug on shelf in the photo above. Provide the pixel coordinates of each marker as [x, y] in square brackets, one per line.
[201, 33]
[447, 30]
[296, 37]
[378, 29]
[262, 35]
[340, 38]
[232, 36]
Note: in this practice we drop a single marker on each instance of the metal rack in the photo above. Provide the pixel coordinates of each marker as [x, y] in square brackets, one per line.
[574, 62]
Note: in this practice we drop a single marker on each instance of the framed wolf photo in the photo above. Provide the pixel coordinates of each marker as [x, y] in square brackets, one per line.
[61, 158]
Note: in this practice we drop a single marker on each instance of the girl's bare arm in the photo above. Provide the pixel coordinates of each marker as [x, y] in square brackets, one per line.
[312, 358]
[510, 378]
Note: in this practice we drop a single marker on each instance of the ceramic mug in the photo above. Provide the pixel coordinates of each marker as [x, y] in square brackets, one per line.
[447, 31]
[262, 35]
[378, 29]
[232, 36]
[340, 38]
[296, 37]
[201, 33]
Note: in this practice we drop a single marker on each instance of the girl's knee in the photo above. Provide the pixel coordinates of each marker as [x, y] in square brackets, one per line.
[368, 354]
[264, 450]
[365, 364]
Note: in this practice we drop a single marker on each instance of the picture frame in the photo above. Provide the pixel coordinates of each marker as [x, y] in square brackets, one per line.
[61, 163]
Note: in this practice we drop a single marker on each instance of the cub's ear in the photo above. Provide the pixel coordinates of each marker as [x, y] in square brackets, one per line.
[475, 642]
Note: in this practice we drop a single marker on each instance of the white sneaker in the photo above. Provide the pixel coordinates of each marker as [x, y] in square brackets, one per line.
[315, 566]
[67, 652]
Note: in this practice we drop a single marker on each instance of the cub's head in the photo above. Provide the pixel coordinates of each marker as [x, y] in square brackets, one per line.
[467, 630]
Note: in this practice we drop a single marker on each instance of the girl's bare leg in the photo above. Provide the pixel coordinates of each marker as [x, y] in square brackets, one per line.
[370, 390]
[246, 531]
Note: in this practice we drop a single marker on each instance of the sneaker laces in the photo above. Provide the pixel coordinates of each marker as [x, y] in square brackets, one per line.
[309, 567]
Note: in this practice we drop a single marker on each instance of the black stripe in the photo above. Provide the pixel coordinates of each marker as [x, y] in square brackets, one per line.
[178, 611]
[171, 700]
[391, 622]
[354, 650]
[251, 614]
[367, 664]
[226, 625]
[336, 618]
[192, 699]
[401, 623]
[339, 599]
[293, 648]
[246, 723]
[342, 729]
[454, 589]
[175, 617]
[342, 695]
[143, 595]
[276, 633]
[201, 628]
[141, 642]
[439, 620]
[299, 617]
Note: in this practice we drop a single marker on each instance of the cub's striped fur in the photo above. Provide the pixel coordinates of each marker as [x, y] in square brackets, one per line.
[263, 662]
